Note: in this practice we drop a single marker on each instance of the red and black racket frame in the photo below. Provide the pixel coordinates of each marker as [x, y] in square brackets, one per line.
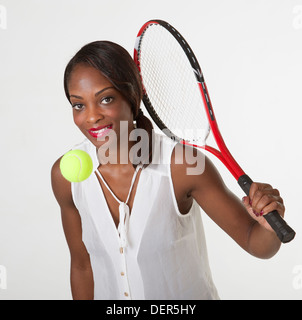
[284, 232]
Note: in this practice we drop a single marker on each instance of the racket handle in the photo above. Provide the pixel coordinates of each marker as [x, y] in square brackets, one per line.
[284, 232]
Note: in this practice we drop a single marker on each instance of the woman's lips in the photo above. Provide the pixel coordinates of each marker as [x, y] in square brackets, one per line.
[100, 131]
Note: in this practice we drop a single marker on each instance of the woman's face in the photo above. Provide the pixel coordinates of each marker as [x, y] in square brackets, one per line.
[98, 108]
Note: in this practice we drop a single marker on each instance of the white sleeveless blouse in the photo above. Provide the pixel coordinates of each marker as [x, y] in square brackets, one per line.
[165, 256]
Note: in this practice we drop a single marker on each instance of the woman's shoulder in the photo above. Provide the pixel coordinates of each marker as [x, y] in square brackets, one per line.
[192, 170]
[190, 158]
[60, 186]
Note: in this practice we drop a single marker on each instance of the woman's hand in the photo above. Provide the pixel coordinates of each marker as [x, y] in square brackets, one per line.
[263, 199]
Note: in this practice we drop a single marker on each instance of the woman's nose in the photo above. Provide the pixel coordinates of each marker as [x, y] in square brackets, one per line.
[94, 115]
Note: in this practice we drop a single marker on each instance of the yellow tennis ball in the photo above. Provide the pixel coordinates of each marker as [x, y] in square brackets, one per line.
[76, 165]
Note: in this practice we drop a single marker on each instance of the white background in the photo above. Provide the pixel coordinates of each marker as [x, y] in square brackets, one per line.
[251, 55]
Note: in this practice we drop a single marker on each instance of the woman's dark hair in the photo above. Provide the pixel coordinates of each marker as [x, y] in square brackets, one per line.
[116, 64]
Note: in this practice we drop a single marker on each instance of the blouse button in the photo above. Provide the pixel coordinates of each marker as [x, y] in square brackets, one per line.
[126, 294]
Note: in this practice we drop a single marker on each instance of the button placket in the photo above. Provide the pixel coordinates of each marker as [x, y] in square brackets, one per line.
[124, 213]
[124, 276]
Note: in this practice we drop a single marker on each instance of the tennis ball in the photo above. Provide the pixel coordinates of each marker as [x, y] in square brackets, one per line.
[76, 165]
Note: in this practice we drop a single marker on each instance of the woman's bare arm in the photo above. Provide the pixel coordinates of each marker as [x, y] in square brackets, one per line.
[234, 216]
[81, 276]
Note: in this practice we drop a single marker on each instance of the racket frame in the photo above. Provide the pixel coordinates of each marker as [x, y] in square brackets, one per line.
[284, 232]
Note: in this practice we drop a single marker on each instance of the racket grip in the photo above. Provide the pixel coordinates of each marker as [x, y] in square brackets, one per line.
[284, 232]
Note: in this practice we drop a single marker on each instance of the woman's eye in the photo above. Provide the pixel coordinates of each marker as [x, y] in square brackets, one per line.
[77, 106]
[107, 100]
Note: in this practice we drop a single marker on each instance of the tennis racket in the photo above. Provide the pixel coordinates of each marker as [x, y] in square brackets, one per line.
[176, 97]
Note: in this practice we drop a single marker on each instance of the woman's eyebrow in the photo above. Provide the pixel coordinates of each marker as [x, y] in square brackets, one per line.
[77, 97]
[98, 93]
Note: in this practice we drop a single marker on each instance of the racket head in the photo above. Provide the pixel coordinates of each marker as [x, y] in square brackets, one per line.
[171, 78]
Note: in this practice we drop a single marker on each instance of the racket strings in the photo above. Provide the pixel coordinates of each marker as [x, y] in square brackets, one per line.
[171, 85]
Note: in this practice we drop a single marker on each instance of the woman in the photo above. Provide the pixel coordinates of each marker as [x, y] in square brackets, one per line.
[134, 228]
